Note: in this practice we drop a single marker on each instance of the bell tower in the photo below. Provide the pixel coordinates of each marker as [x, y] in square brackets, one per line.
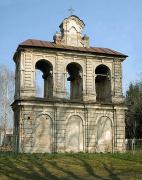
[91, 118]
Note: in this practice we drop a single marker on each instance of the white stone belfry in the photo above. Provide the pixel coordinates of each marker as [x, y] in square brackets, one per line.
[81, 107]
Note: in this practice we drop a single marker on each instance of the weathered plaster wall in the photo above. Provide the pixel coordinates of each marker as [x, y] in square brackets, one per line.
[88, 126]
[69, 127]
[25, 76]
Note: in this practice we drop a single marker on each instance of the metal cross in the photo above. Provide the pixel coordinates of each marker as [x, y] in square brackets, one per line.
[71, 10]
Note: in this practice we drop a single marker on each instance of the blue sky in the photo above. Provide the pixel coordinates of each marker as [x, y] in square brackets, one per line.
[115, 24]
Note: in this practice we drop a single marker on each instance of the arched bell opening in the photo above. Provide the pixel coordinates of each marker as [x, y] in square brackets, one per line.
[76, 82]
[46, 74]
[103, 83]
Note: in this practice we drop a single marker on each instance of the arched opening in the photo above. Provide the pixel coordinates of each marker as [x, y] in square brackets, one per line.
[39, 84]
[104, 137]
[68, 88]
[76, 82]
[42, 134]
[74, 134]
[45, 78]
[103, 84]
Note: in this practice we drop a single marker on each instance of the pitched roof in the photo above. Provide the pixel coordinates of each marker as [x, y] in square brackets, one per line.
[51, 45]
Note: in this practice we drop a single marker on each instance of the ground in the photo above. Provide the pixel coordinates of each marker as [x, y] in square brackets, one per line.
[71, 166]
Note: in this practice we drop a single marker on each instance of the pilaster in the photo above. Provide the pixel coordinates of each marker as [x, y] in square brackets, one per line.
[89, 93]
[117, 96]
[119, 129]
[60, 75]
[26, 75]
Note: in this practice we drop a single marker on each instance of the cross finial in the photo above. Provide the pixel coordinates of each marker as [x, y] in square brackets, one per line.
[71, 10]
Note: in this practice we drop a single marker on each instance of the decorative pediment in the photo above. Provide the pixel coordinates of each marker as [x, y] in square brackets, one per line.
[71, 33]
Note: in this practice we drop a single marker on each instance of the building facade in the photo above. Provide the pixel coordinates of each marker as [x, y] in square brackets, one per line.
[82, 108]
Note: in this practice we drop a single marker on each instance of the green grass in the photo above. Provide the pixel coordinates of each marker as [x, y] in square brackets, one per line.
[71, 166]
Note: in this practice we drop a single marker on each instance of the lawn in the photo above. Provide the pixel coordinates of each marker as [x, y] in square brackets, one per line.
[71, 166]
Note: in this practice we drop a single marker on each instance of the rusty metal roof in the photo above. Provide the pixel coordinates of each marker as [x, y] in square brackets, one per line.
[51, 45]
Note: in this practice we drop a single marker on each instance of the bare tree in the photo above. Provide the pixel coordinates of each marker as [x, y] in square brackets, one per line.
[6, 97]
